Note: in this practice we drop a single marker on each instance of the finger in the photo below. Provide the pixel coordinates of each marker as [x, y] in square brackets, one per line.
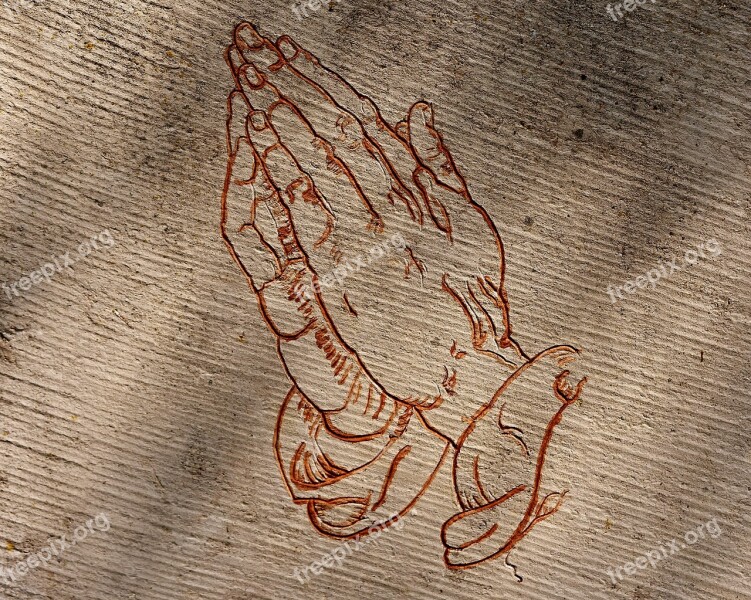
[250, 241]
[443, 188]
[256, 197]
[253, 86]
[429, 148]
[251, 249]
[250, 203]
[300, 139]
[294, 196]
[292, 185]
[402, 130]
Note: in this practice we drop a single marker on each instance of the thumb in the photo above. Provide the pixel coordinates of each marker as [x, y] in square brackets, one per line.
[427, 144]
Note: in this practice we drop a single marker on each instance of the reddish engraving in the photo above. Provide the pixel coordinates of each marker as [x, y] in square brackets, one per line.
[397, 363]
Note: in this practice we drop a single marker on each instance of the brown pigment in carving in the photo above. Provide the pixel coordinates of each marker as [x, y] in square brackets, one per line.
[352, 443]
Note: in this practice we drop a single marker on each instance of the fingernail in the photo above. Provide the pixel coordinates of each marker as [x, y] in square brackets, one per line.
[288, 47]
[258, 120]
[257, 49]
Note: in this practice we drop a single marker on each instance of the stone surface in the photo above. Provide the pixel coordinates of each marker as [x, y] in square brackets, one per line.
[142, 383]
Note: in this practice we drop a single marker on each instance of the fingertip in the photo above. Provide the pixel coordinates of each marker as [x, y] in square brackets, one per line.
[256, 48]
[247, 37]
[422, 111]
[288, 47]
